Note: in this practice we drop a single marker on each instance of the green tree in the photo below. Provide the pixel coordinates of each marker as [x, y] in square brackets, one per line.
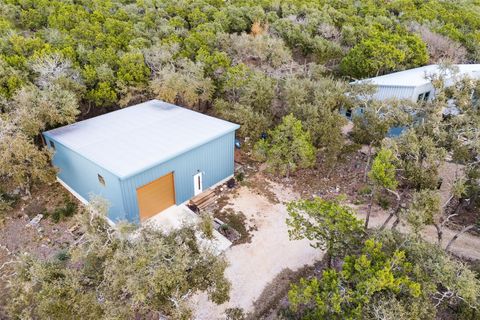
[11, 79]
[132, 69]
[102, 95]
[252, 123]
[382, 176]
[423, 210]
[33, 110]
[373, 119]
[301, 38]
[22, 164]
[362, 281]
[250, 88]
[427, 209]
[394, 275]
[382, 52]
[383, 172]
[183, 84]
[288, 147]
[113, 273]
[316, 100]
[419, 158]
[30, 111]
[447, 283]
[329, 225]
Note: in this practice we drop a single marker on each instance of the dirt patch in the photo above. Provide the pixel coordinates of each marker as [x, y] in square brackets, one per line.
[253, 179]
[466, 217]
[222, 200]
[347, 177]
[449, 173]
[42, 240]
[234, 227]
[237, 221]
[262, 186]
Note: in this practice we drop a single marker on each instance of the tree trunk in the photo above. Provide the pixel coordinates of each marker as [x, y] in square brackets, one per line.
[330, 171]
[439, 233]
[396, 222]
[369, 211]
[89, 108]
[387, 220]
[394, 212]
[465, 229]
[369, 158]
[329, 256]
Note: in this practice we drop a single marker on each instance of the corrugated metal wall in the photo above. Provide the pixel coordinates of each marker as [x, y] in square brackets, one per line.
[215, 159]
[422, 89]
[399, 92]
[81, 175]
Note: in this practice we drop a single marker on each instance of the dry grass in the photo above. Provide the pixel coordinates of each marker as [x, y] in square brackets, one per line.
[237, 221]
[274, 297]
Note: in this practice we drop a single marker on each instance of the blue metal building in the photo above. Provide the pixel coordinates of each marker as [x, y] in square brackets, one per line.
[414, 85]
[143, 159]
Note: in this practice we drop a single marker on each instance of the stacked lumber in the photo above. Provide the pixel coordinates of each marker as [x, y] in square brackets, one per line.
[204, 199]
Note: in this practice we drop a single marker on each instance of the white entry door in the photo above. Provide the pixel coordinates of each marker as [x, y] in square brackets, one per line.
[197, 183]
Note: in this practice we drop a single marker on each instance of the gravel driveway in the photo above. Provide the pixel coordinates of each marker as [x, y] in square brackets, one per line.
[253, 265]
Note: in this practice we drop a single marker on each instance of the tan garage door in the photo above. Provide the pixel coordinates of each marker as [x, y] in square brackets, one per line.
[156, 196]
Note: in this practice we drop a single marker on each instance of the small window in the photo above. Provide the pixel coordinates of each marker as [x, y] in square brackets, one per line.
[348, 113]
[427, 95]
[101, 180]
[52, 144]
[420, 97]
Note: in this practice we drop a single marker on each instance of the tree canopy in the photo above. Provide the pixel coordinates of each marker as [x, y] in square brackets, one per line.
[250, 62]
[329, 225]
[118, 273]
[288, 148]
[361, 283]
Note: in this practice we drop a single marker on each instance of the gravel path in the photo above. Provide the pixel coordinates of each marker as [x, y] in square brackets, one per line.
[467, 245]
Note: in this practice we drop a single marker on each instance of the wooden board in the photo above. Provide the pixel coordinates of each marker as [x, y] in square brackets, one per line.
[156, 196]
[204, 199]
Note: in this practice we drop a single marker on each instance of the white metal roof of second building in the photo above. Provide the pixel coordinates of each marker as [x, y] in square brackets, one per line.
[130, 140]
[419, 76]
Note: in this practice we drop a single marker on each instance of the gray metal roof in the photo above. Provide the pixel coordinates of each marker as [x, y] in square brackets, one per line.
[131, 140]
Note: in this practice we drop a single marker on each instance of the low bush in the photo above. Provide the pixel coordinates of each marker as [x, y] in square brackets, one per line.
[61, 213]
[383, 202]
[240, 176]
[365, 190]
[206, 225]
